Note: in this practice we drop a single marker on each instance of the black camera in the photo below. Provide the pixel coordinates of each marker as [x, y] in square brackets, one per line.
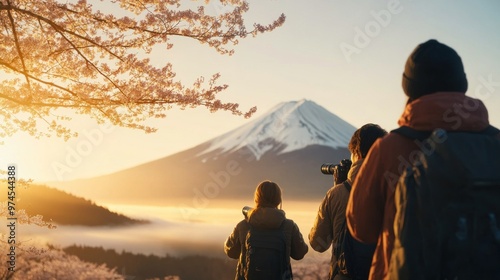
[339, 171]
[330, 168]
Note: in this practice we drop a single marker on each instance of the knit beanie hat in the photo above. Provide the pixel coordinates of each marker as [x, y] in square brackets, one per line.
[433, 67]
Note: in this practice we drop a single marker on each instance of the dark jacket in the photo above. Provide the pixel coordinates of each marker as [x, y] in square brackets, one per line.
[266, 218]
[331, 215]
[371, 208]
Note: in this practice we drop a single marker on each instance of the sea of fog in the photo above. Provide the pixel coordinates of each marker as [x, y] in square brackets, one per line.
[177, 231]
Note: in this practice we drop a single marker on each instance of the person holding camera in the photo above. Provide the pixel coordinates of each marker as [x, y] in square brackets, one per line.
[330, 220]
[265, 240]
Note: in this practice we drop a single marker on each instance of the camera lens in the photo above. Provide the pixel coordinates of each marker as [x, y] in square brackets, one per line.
[328, 168]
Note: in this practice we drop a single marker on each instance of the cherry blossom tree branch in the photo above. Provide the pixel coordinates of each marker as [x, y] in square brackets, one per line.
[69, 55]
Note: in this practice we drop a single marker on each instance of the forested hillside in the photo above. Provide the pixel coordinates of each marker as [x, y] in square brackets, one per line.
[66, 209]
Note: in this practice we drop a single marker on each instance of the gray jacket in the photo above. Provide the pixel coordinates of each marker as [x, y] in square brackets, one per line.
[331, 215]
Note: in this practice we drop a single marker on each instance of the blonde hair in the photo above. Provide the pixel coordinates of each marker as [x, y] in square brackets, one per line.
[267, 194]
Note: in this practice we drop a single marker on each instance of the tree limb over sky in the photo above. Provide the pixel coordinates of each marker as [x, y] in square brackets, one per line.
[57, 54]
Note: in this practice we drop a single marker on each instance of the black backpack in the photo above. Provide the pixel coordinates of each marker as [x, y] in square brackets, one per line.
[447, 223]
[353, 257]
[266, 255]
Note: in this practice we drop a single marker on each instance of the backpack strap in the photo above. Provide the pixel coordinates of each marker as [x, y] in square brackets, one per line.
[411, 133]
[421, 135]
[286, 257]
[343, 229]
[282, 226]
[491, 130]
[347, 185]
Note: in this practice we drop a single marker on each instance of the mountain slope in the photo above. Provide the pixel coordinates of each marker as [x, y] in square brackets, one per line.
[286, 145]
[291, 125]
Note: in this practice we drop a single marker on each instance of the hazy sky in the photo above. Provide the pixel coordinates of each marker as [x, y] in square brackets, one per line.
[347, 56]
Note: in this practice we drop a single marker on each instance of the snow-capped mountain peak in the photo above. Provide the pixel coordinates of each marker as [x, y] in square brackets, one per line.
[286, 127]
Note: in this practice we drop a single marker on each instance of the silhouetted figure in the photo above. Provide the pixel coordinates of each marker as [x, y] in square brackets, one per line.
[265, 240]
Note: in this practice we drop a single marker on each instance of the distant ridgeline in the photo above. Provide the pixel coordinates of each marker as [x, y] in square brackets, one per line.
[66, 209]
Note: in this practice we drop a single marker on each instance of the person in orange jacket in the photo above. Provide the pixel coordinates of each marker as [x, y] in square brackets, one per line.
[435, 83]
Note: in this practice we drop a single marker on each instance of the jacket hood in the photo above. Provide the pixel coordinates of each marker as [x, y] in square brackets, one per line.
[446, 110]
[264, 217]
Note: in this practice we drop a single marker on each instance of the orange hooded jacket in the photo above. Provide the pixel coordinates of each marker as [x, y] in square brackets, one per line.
[371, 209]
